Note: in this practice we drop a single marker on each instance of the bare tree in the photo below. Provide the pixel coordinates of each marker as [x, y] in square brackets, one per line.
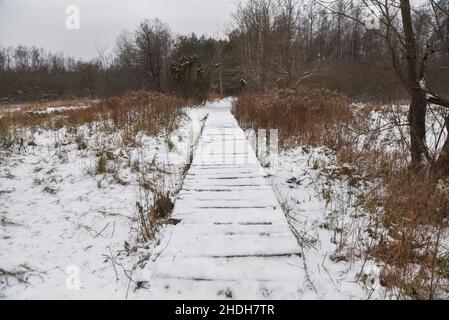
[153, 42]
[255, 22]
[404, 30]
[286, 30]
[418, 105]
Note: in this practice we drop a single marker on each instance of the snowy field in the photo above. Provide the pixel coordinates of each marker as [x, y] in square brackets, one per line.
[68, 232]
[299, 188]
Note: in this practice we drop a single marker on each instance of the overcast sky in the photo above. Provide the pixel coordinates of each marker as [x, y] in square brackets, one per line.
[43, 22]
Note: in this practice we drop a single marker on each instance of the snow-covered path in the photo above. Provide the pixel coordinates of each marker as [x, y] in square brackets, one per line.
[232, 239]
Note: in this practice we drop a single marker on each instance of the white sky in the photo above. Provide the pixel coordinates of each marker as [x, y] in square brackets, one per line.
[42, 22]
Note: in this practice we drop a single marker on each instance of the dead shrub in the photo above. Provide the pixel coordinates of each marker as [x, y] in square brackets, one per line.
[101, 167]
[80, 142]
[151, 218]
[162, 207]
[9, 138]
[302, 116]
[212, 96]
[415, 216]
[147, 227]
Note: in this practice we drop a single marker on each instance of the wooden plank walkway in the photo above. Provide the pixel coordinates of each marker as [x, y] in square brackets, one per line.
[233, 240]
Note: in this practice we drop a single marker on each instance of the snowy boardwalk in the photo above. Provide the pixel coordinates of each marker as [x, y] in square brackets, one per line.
[232, 239]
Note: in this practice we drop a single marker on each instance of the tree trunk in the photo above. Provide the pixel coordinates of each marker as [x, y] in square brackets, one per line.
[418, 106]
[417, 120]
[441, 165]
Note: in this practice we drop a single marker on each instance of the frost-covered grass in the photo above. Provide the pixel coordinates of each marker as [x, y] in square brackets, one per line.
[305, 199]
[378, 230]
[72, 195]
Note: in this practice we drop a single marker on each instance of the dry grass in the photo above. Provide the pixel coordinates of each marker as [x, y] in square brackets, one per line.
[149, 112]
[154, 208]
[213, 96]
[415, 223]
[302, 116]
[145, 110]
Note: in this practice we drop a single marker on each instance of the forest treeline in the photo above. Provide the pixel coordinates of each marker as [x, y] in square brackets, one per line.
[339, 45]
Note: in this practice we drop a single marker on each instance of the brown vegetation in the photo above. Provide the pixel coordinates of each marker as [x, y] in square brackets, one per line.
[415, 221]
[123, 117]
[406, 214]
[301, 115]
[137, 111]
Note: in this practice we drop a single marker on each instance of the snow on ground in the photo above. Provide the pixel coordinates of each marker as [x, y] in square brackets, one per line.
[69, 233]
[39, 111]
[60, 109]
[386, 126]
[301, 191]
